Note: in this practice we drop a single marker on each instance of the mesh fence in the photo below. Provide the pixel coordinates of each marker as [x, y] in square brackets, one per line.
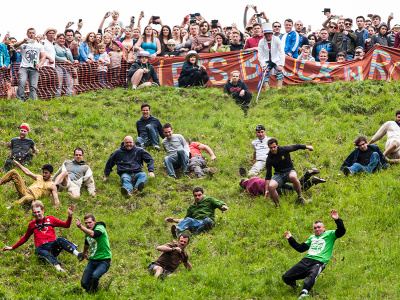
[67, 79]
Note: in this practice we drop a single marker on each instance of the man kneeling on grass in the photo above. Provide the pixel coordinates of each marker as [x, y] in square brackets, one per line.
[320, 248]
[365, 158]
[96, 242]
[200, 215]
[47, 245]
[173, 254]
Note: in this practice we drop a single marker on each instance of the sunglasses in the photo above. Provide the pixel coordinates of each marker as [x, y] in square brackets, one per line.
[347, 24]
[277, 26]
[171, 45]
[333, 27]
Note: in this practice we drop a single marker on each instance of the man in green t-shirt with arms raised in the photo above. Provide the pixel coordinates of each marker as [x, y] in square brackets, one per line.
[320, 247]
[96, 242]
[200, 215]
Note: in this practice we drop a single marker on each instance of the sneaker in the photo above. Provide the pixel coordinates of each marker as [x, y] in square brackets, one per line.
[173, 231]
[125, 191]
[80, 256]
[173, 176]
[301, 200]
[346, 171]
[140, 186]
[303, 295]
[316, 180]
[138, 144]
[313, 171]
[8, 207]
[158, 148]
[242, 172]
[185, 174]
[134, 87]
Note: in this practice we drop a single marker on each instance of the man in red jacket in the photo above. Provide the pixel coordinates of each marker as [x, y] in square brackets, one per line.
[42, 228]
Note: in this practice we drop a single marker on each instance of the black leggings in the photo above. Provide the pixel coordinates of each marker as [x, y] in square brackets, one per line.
[306, 268]
[198, 78]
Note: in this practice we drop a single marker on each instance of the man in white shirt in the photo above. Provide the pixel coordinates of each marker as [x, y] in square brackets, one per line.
[32, 58]
[260, 153]
[271, 56]
[48, 45]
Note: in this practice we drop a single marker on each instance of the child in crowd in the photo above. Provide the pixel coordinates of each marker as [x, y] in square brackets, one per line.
[104, 61]
[171, 52]
[115, 62]
[323, 55]
[306, 53]
[341, 57]
[239, 91]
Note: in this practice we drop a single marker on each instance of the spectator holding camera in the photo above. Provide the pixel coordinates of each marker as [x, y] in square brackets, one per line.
[219, 45]
[115, 15]
[149, 43]
[203, 42]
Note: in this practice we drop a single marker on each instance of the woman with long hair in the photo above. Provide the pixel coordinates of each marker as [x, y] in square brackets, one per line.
[88, 49]
[165, 36]
[148, 42]
[128, 44]
[219, 45]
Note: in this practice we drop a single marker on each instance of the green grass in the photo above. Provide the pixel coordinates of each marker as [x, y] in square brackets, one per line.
[244, 256]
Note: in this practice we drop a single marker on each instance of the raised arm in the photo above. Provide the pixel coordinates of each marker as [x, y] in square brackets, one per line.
[341, 230]
[298, 247]
[26, 171]
[172, 220]
[102, 22]
[208, 149]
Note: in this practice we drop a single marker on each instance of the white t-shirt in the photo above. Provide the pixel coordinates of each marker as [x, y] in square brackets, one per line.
[30, 53]
[50, 51]
[261, 148]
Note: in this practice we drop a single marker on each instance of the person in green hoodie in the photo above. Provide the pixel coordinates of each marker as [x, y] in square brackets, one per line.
[200, 215]
[98, 246]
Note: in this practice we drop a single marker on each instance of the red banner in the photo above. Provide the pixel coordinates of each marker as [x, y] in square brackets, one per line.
[380, 63]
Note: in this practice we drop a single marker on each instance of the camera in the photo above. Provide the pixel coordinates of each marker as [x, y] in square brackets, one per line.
[258, 15]
[80, 20]
[154, 19]
[192, 19]
[229, 28]
[327, 10]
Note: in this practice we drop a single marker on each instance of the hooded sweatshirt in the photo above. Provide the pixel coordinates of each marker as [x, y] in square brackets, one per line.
[129, 161]
[142, 123]
[380, 39]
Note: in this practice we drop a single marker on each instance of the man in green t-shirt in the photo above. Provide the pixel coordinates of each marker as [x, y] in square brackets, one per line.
[320, 247]
[199, 216]
[98, 246]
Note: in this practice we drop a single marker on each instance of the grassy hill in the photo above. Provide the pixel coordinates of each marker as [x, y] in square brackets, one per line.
[244, 256]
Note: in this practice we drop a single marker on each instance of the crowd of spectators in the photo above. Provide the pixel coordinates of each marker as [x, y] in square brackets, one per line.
[114, 42]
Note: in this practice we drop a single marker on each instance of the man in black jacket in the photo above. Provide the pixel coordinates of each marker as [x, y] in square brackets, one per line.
[141, 72]
[148, 129]
[320, 247]
[279, 158]
[129, 160]
[239, 91]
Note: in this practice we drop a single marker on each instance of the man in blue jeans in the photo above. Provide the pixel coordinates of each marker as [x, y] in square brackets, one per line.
[129, 160]
[98, 246]
[148, 128]
[366, 158]
[200, 215]
[47, 245]
[177, 151]
[32, 58]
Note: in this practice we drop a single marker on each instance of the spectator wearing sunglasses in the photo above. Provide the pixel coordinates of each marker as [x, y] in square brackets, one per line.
[276, 28]
[170, 51]
[345, 38]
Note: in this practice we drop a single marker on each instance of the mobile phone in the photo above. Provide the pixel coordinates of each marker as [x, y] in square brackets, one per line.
[309, 27]
[214, 21]
[214, 25]
[154, 19]
[391, 14]
[327, 10]
[76, 39]
[335, 18]
[197, 14]
[142, 13]
[229, 28]
[80, 20]
[251, 6]
[303, 30]
[396, 27]
[258, 15]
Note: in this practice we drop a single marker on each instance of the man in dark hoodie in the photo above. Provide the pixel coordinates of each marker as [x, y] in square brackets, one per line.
[129, 160]
[148, 128]
[381, 37]
[239, 91]
[98, 246]
[141, 72]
